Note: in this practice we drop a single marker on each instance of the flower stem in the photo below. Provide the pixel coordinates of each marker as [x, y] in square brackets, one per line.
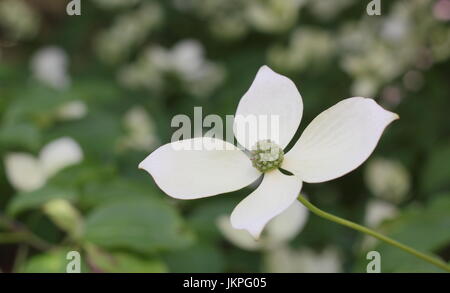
[360, 228]
[20, 233]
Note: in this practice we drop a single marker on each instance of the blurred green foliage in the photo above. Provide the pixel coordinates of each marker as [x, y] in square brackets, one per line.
[123, 69]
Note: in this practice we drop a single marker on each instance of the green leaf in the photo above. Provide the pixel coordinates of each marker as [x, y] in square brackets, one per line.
[79, 175]
[196, 259]
[204, 216]
[50, 262]
[436, 173]
[24, 136]
[96, 133]
[141, 225]
[426, 229]
[34, 103]
[35, 199]
[120, 262]
[118, 189]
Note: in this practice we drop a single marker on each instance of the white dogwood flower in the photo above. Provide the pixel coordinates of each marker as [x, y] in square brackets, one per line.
[333, 144]
[27, 173]
[49, 65]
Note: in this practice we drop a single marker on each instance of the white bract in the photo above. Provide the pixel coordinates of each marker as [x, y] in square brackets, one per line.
[273, 244]
[337, 141]
[27, 173]
[279, 231]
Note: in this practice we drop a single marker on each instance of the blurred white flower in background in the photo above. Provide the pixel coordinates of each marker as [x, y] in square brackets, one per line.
[440, 43]
[396, 26]
[72, 110]
[239, 238]
[273, 15]
[184, 64]
[24, 171]
[328, 9]
[390, 182]
[18, 19]
[387, 179]
[273, 243]
[224, 19]
[27, 173]
[378, 211]
[49, 65]
[141, 134]
[376, 51]
[365, 86]
[304, 260]
[308, 47]
[232, 19]
[374, 67]
[58, 154]
[229, 27]
[128, 31]
[280, 230]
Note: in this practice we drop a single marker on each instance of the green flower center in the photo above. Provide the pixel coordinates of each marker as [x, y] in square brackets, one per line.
[266, 155]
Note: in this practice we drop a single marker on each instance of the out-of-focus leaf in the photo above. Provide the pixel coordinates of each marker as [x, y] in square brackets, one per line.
[204, 217]
[35, 103]
[141, 225]
[196, 259]
[22, 135]
[34, 199]
[94, 90]
[51, 262]
[122, 262]
[97, 134]
[436, 174]
[118, 189]
[78, 175]
[245, 261]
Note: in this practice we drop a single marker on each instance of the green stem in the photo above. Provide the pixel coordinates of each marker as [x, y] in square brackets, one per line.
[20, 233]
[373, 233]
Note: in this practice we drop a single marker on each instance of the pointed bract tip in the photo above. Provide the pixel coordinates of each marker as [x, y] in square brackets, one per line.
[265, 67]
